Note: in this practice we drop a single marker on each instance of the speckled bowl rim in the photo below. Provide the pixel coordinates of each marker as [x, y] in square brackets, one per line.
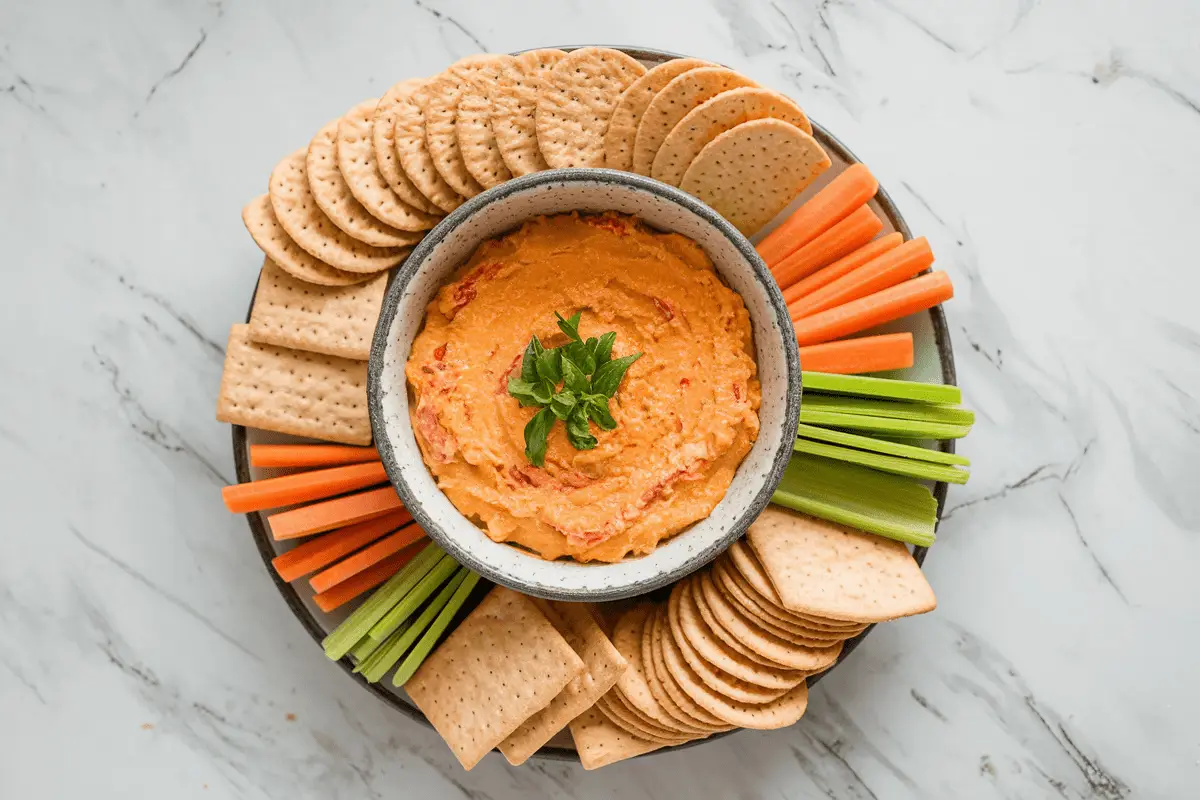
[262, 538]
[637, 583]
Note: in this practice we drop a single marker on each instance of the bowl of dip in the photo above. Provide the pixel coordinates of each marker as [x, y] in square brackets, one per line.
[702, 423]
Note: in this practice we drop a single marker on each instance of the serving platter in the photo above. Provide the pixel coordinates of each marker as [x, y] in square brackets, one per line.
[933, 363]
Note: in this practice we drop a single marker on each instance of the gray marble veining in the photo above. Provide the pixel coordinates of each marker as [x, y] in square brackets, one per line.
[1049, 149]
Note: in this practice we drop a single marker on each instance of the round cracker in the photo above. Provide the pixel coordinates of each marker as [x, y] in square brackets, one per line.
[675, 731]
[681, 698]
[715, 116]
[298, 214]
[687, 623]
[623, 125]
[725, 684]
[724, 604]
[573, 111]
[726, 578]
[695, 601]
[785, 710]
[409, 134]
[273, 240]
[514, 109]
[383, 137]
[746, 564]
[358, 165]
[621, 715]
[657, 688]
[334, 198]
[752, 172]
[673, 103]
[627, 638]
[441, 109]
[790, 654]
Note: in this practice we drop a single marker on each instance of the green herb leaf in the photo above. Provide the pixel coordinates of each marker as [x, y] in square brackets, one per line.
[570, 326]
[542, 392]
[578, 433]
[529, 360]
[589, 355]
[536, 432]
[549, 366]
[604, 348]
[523, 390]
[608, 376]
[563, 403]
[598, 411]
[573, 378]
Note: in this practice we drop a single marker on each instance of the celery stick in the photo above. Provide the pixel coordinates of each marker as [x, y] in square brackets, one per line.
[861, 498]
[894, 464]
[396, 646]
[370, 650]
[881, 445]
[900, 428]
[922, 412]
[345, 636]
[880, 387]
[413, 600]
[430, 639]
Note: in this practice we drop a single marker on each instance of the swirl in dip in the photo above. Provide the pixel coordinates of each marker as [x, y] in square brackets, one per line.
[686, 412]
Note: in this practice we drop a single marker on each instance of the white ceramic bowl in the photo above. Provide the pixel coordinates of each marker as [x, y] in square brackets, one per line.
[503, 209]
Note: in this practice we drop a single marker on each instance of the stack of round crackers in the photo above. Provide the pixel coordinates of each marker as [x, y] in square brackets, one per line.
[370, 183]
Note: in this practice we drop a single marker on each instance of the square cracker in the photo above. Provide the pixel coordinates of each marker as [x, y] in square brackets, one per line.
[601, 743]
[604, 665]
[291, 391]
[819, 567]
[503, 664]
[334, 320]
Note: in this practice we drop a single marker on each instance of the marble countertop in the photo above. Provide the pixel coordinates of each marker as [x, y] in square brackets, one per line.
[1049, 149]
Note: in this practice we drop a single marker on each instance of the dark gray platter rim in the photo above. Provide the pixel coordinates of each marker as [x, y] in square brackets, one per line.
[262, 538]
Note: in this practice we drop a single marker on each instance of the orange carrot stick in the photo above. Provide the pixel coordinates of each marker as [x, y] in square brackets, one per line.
[330, 514]
[856, 356]
[366, 558]
[302, 487]
[827, 275]
[889, 269]
[841, 240]
[848, 191]
[364, 581]
[918, 294]
[328, 548]
[309, 455]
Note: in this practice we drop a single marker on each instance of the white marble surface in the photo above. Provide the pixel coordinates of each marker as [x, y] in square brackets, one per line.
[1050, 149]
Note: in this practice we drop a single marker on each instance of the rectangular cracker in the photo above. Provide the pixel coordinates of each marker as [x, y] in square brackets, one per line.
[829, 570]
[502, 665]
[292, 391]
[334, 320]
[604, 665]
[601, 743]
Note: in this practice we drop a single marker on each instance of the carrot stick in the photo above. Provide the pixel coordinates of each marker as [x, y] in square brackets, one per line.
[841, 240]
[856, 356]
[302, 487]
[918, 294]
[330, 514]
[309, 455]
[366, 558]
[826, 275]
[848, 191]
[328, 548]
[889, 269]
[364, 581]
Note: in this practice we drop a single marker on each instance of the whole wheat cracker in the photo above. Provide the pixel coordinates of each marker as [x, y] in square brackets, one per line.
[273, 240]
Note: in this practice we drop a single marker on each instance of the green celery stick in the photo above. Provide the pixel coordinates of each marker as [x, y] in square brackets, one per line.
[900, 428]
[880, 387]
[397, 646]
[371, 650]
[881, 445]
[861, 498]
[868, 406]
[345, 636]
[363, 650]
[424, 647]
[893, 464]
[413, 600]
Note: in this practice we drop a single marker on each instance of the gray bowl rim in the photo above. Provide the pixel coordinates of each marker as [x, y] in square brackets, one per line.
[309, 621]
[560, 177]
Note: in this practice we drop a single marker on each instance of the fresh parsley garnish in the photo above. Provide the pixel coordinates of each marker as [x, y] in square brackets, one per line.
[572, 383]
